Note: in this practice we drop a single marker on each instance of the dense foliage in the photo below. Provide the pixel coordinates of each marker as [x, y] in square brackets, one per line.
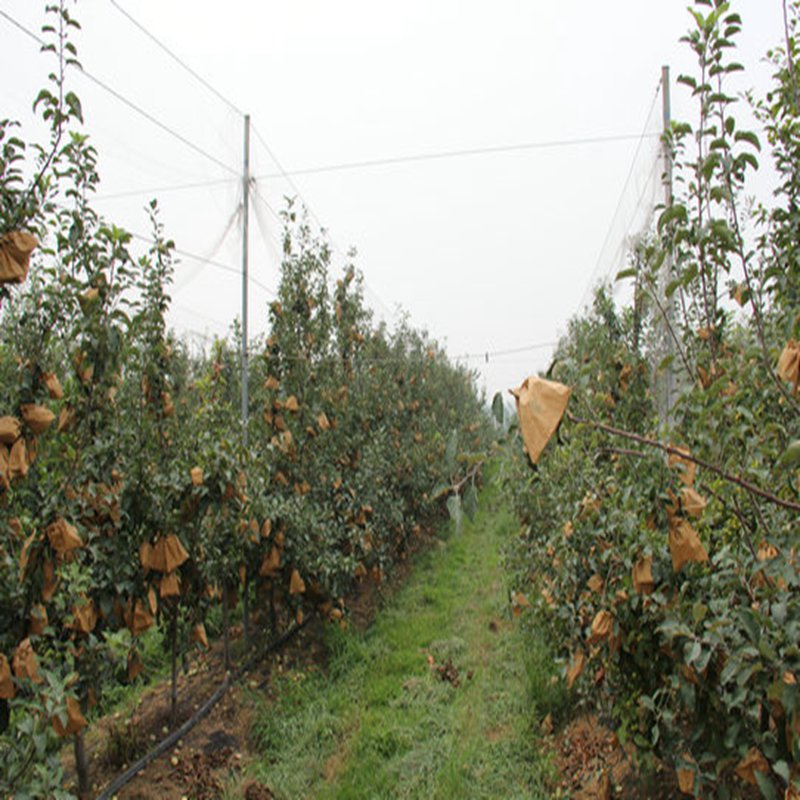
[132, 493]
[671, 585]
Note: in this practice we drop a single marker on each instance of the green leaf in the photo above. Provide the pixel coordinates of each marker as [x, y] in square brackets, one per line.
[750, 624]
[74, 105]
[746, 158]
[440, 490]
[454, 510]
[791, 457]
[626, 273]
[451, 452]
[673, 287]
[765, 786]
[676, 213]
[749, 137]
[498, 408]
[781, 768]
[470, 502]
[44, 96]
[699, 612]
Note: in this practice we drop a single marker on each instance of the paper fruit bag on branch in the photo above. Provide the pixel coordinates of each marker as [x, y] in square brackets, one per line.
[540, 406]
[15, 256]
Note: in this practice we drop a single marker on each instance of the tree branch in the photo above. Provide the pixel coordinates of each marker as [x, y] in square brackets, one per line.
[672, 450]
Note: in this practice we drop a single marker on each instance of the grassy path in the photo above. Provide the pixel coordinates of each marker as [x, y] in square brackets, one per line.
[382, 723]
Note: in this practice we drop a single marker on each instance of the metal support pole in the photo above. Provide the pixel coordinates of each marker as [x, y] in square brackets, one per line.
[669, 383]
[245, 253]
[666, 109]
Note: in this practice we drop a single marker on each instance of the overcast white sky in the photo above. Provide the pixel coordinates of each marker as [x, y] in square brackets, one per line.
[488, 252]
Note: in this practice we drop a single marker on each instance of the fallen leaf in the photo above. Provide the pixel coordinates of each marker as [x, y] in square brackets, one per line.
[599, 788]
[589, 504]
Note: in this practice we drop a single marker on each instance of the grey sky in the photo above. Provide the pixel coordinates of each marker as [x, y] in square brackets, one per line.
[488, 252]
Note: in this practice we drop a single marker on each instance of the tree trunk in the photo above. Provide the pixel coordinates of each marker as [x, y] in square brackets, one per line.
[225, 627]
[81, 766]
[273, 613]
[173, 635]
[246, 610]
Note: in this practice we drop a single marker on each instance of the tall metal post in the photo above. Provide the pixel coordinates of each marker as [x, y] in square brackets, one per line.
[669, 383]
[666, 114]
[245, 254]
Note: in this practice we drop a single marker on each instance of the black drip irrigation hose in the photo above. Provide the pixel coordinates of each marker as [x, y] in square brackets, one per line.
[230, 678]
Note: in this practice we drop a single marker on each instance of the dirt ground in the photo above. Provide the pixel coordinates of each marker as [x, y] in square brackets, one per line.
[595, 766]
[211, 758]
[210, 761]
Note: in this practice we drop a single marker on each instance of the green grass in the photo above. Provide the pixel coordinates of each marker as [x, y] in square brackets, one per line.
[380, 723]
